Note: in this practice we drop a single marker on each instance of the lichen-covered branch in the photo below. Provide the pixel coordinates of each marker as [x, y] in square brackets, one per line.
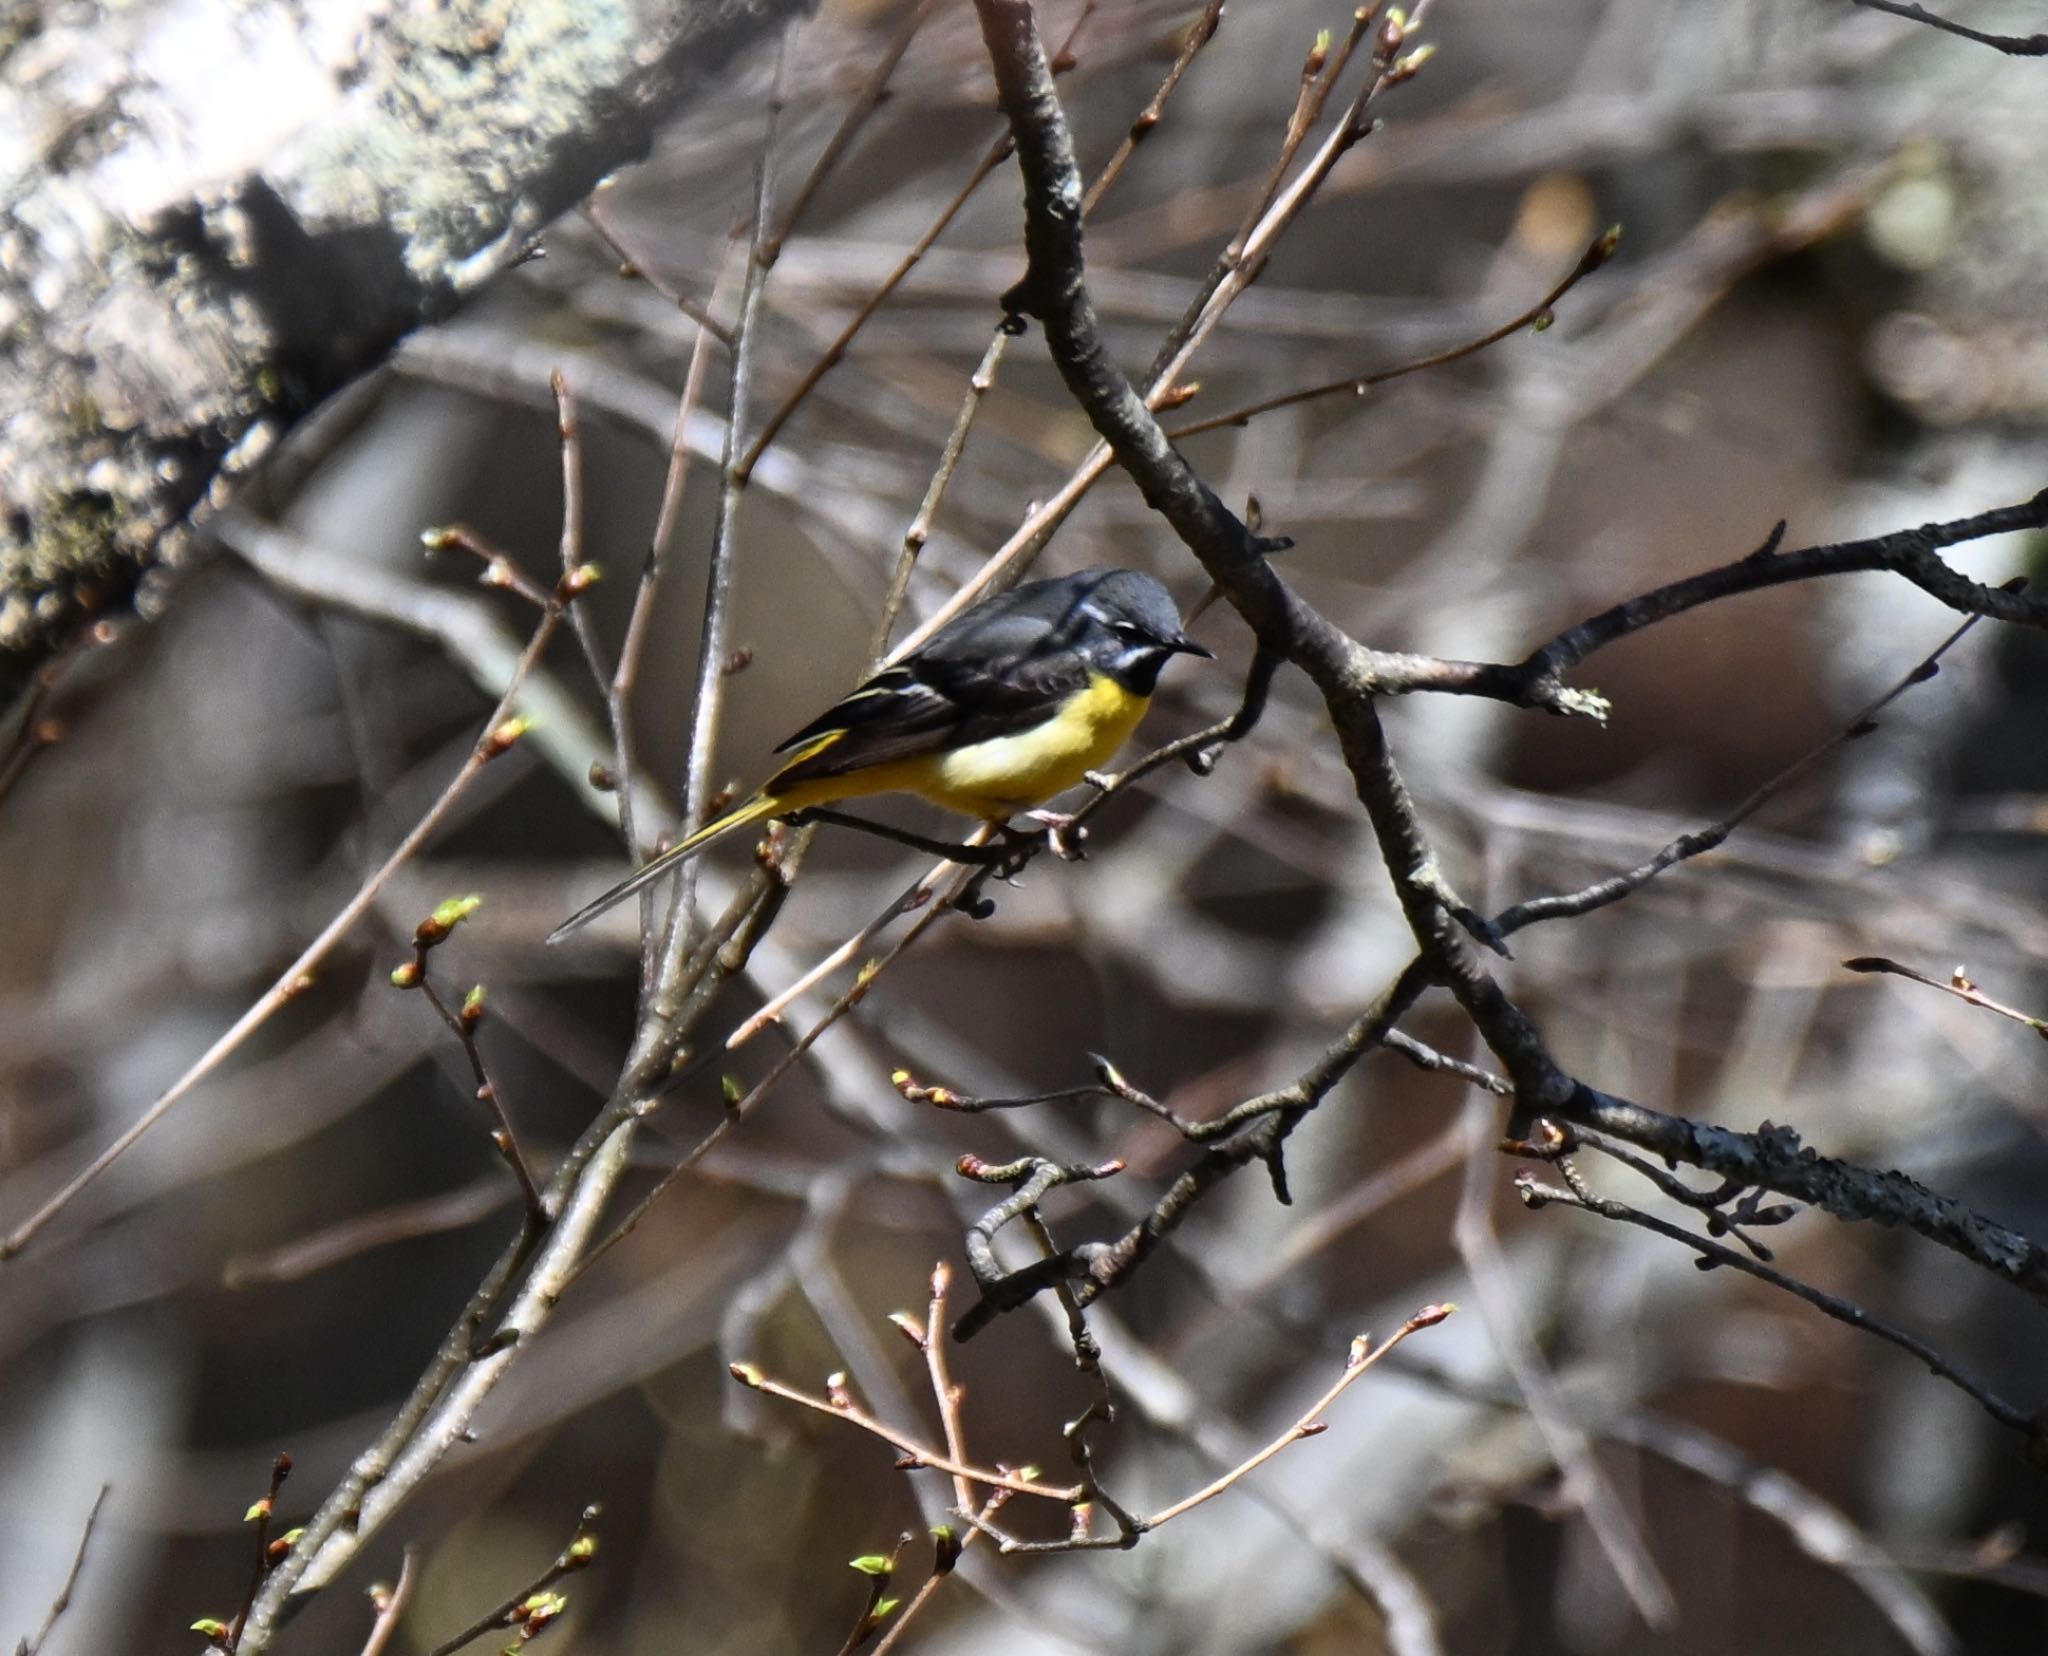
[215, 216]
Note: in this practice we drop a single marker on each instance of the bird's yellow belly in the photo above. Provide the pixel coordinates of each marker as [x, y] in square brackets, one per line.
[1012, 773]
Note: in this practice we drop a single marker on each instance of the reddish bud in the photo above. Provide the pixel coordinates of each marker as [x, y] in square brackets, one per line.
[575, 582]
[445, 918]
[503, 736]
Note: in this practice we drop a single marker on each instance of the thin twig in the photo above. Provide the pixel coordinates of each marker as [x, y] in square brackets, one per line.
[402, 1222]
[718, 577]
[835, 352]
[1536, 315]
[920, 529]
[1536, 1194]
[1619, 1535]
[917, 895]
[569, 437]
[1101, 1409]
[391, 1605]
[976, 851]
[1321, 70]
[463, 1026]
[1363, 1355]
[1702, 840]
[945, 1395]
[62, 1602]
[839, 1404]
[864, 104]
[947, 1548]
[518, 1609]
[261, 1515]
[498, 567]
[593, 210]
[1911, 553]
[2034, 45]
[1193, 38]
[879, 1570]
[1957, 985]
[626, 675]
[32, 734]
[301, 972]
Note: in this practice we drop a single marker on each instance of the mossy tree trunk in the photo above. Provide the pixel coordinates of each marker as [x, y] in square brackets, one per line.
[216, 215]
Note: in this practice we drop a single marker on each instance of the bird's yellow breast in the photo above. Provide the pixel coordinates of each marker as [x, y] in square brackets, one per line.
[1012, 773]
[996, 779]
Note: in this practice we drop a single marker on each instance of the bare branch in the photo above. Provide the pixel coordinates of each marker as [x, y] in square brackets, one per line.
[1957, 985]
[500, 730]
[1536, 1194]
[533, 1604]
[62, 1602]
[2034, 45]
[391, 1604]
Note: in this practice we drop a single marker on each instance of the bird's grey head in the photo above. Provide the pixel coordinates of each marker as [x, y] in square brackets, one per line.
[1142, 624]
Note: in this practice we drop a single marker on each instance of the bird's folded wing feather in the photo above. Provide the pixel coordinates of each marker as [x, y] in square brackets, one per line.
[932, 702]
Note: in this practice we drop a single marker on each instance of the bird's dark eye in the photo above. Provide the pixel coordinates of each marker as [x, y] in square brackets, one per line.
[1128, 629]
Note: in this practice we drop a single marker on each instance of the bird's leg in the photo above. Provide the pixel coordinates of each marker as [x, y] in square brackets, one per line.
[950, 850]
[1065, 837]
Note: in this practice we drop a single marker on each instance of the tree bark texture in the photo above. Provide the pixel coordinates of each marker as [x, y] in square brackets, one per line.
[216, 214]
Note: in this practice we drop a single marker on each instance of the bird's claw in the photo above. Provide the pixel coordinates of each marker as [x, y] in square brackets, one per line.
[1064, 837]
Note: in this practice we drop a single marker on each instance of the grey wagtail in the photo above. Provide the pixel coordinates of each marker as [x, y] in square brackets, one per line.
[1014, 701]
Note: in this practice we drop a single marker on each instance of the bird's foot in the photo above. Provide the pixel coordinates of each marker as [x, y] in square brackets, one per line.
[1064, 837]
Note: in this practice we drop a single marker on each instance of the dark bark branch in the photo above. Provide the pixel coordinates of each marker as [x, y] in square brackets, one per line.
[1349, 676]
[1913, 553]
[1775, 1158]
[1535, 1194]
[2034, 45]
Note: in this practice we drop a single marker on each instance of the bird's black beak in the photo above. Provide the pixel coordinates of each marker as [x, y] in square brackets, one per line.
[1181, 644]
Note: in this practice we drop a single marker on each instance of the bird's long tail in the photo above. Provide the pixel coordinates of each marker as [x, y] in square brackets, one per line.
[763, 804]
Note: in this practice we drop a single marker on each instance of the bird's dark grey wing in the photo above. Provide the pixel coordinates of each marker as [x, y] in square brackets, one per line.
[988, 675]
